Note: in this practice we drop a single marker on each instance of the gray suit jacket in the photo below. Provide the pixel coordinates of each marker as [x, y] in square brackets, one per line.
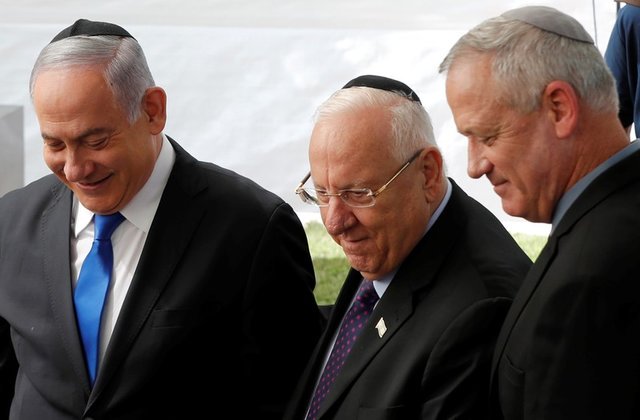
[442, 310]
[222, 295]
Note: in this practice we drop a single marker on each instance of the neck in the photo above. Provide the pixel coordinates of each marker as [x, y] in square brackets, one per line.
[601, 137]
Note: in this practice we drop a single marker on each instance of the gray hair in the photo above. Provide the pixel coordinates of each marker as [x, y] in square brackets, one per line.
[411, 128]
[124, 65]
[526, 59]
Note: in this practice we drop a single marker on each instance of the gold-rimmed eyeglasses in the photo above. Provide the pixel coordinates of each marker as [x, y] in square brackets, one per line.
[353, 197]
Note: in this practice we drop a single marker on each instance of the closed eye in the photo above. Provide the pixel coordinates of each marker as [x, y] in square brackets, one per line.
[487, 140]
[54, 145]
[484, 140]
[98, 143]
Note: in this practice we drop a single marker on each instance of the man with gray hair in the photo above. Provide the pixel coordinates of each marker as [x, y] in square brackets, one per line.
[532, 94]
[135, 281]
[432, 271]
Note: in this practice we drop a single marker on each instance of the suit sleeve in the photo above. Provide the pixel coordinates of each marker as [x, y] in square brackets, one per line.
[459, 366]
[282, 321]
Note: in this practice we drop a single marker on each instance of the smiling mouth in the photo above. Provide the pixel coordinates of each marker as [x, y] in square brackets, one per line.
[94, 184]
[500, 187]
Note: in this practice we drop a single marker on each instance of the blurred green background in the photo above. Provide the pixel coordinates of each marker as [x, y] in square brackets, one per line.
[331, 266]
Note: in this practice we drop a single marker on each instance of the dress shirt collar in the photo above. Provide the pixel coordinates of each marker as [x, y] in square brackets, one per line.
[142, 208]
[574, 192]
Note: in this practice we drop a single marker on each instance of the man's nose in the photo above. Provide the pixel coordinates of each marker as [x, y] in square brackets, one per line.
[338, 216]
[477, 163]
[76, 166]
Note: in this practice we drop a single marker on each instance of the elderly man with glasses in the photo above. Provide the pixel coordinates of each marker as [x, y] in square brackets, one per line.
[433, 272]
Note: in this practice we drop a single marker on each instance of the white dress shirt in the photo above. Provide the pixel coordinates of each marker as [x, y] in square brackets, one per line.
[128, 239]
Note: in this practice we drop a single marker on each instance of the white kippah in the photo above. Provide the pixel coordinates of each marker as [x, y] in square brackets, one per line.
[550, 20]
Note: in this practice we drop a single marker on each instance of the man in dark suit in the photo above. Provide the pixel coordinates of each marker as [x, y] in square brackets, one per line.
[532, 94]
[443, 267]
[209, 309]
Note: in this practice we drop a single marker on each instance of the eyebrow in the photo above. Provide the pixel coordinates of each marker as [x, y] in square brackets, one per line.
[478, 131]
[87, 133]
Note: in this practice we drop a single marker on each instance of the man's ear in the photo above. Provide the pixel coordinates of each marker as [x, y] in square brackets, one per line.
[431, 165]
[562, 105]
[154, 104]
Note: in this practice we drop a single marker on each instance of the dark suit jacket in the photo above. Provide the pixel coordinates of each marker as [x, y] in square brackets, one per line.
[222, 296]
[570, 345]
[443, 311]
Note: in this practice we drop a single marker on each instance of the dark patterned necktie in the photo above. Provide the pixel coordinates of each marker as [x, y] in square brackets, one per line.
[91, 289]
[352, 324]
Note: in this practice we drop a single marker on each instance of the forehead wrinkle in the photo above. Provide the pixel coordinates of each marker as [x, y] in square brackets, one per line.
[346, 165]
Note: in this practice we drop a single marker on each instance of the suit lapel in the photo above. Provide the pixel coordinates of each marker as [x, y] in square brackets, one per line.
[521, 299]
[397, 304]
[157, 262]
[55, 239]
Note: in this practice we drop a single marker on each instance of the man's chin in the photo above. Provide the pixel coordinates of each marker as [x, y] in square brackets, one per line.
[521, 212]
[511, 211]
[97, 205]
[358, 263]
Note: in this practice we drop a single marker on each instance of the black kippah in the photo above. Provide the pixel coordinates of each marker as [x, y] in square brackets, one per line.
[91, 28]
[383, 83]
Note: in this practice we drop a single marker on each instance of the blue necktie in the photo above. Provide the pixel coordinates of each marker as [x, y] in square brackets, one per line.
[92, 286]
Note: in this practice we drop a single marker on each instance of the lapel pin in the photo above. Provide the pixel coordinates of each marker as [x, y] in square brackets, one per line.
[381, 327]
